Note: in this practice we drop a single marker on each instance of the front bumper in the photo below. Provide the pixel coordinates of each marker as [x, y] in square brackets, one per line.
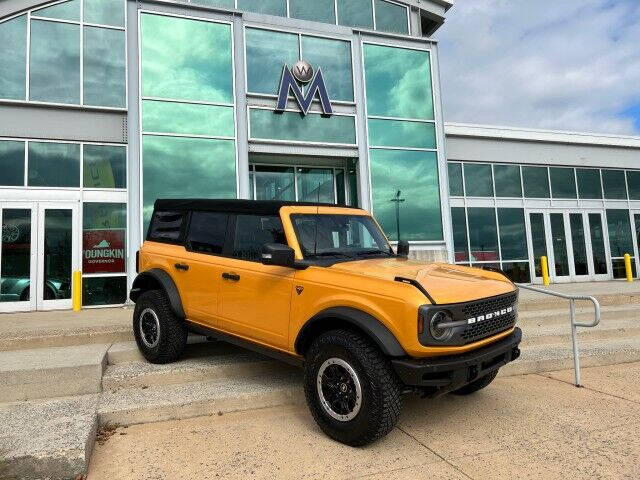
[439, 375]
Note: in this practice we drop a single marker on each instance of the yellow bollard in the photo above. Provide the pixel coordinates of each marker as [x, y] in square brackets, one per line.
[627, 267]
[77, 291]
[545, 270]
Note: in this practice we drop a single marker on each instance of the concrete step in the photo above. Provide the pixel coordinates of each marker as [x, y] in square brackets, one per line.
[144, 405]
[50, 439]
[51, 372]
[614, 296]
[560, 316]
[609, 329]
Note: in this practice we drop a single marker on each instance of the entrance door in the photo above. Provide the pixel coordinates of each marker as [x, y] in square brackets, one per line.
[38, 255]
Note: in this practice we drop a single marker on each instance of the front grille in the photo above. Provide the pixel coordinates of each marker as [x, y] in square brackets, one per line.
[486, 328]
[480, 307]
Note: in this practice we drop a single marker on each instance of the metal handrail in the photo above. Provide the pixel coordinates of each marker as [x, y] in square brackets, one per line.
[572, 315]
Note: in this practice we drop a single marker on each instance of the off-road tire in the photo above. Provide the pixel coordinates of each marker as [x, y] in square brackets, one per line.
[381, 400]
[478, 384]
[172, 333]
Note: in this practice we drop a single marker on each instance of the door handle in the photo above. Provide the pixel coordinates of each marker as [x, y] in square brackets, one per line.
[234, 277]
[181, 266]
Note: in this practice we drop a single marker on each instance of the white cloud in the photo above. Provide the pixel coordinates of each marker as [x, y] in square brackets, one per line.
[567, 65]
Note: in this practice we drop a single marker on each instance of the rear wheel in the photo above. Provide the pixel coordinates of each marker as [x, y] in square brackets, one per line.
[161, 336]
[478, 384]
[350, 388]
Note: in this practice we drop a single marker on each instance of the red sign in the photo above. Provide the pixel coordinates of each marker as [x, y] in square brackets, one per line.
[103, 251]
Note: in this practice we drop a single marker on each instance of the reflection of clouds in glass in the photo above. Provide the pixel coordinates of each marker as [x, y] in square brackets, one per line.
[513, 238]
[398, 82]
[334, 57]
[104, 12]
[395, 133]
[184, 118]
[104, 166]
[483, 234]
[104, 70]
[187, 168]
[13, 38]
[12, 163]
[391, 17]
[186, 59]
[274, 183]
[267, 52]
[355, 13]
[54, 164]
[270, 7]
[63, 11]
[315, 185]
[268, 125]
[55, 62]
[415, 174]
[316, 11]
[96, 216]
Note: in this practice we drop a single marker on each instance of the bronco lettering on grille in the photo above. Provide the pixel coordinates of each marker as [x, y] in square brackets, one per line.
[489, 316]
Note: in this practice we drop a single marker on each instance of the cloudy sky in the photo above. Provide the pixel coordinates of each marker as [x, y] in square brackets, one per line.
[553, 64]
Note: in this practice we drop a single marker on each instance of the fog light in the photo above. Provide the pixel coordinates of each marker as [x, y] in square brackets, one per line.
[438, 333]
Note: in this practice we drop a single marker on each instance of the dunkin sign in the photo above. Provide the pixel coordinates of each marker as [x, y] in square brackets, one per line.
[103, 251]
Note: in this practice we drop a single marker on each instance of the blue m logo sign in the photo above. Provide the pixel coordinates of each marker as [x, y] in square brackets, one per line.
[288, 83]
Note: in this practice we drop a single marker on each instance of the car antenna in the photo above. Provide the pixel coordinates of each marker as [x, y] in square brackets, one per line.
[315, 240]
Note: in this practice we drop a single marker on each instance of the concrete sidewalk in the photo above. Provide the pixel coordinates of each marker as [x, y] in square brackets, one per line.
[533, 426]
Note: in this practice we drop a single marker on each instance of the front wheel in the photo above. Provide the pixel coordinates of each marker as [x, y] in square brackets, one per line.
[478, 384]
[350, 387]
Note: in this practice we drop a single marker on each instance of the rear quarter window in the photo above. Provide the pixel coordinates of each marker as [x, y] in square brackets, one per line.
[166, 227]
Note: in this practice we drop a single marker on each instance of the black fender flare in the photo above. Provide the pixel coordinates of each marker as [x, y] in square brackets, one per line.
[370, 325]
[157, 278]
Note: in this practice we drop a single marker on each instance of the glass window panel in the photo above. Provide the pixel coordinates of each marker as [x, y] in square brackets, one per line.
[517, 271]
[478, 180]
[316, 11]
[538, 240]
[340, 187]
[334, 58]
[207, 231]
[398, 82]
[54, 74]
[391, 17]
[633, 179]
[104, 166]
[62, 11]
[267, 53]
[53, 164]
[270, 7]
[455, 179]
[186, 59]
[614, 184]
[563, 183]
[483, 234]
[13, 58]
[589, 186]
[104, 291]
[507, 180]
[104, 12]
[199, 168]
[415, 175]
[58, 235]
[12, 164]
[620, 238]
[513, 236]
[274, 183]
[315, 185]
[597, 243]
[187, 118]
[619, 269]
[580, 262]
[290, 126]
[215, 3]
[15, 261]
[459, 223]
[559, 244]
[536, 182]
[253, 232]
[398, 133]
[355, 13]
[104, 69]
[104, 231]
[352, 181]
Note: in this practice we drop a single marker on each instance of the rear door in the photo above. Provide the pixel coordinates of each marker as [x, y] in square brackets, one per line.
[255, 299]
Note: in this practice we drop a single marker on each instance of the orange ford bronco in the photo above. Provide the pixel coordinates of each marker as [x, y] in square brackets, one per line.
[320, 286]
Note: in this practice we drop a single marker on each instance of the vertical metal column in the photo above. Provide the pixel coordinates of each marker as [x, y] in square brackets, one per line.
[574, 339]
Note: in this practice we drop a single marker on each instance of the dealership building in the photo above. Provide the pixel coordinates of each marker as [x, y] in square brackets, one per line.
[106, 105]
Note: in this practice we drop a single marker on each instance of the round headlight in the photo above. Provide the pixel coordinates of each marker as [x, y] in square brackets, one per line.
[438, 333]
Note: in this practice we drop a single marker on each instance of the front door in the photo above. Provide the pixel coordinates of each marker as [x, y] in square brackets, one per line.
[38, 254]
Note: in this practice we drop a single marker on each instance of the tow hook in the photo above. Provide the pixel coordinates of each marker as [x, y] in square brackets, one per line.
[515, 354]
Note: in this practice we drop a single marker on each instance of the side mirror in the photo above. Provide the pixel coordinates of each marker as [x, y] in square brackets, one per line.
[278, 255]
[402, 249]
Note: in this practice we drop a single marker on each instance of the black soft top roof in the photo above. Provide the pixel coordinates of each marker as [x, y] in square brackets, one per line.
[261, 207]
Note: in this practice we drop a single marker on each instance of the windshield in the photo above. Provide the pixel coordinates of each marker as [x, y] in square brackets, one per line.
[349, 236]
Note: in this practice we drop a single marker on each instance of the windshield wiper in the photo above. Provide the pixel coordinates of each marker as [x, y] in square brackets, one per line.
[330, 254]
[372, 252]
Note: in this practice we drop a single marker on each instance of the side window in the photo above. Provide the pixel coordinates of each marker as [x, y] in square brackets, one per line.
[207, 232]
[252, 232]
[166, 226]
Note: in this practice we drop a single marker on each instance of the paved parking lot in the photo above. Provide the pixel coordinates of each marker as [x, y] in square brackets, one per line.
[533, 426]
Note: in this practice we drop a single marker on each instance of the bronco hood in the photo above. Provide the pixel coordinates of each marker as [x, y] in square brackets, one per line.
[444, 282]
